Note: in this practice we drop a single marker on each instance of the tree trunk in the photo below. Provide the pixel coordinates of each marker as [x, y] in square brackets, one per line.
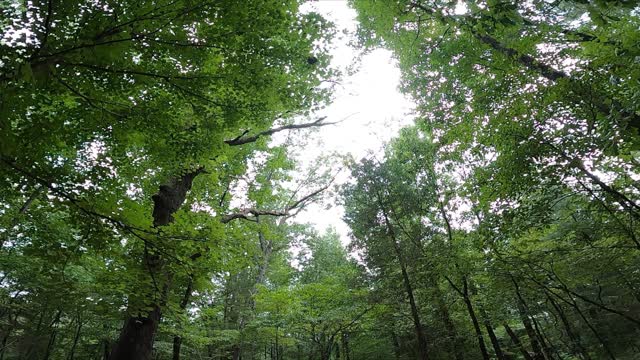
[12, 324]
[547, 347]
[52, 338]
[136, 338]
[396, 344]
[177, 340]
[137, 335]
[464, 293]
[517, 342]
[595, 332]
[476, 327]
[76, 338]
[345, 345]
[455, 346]
[237, 352]
[492, 335]
[526, 321]
[415, 314]
[574, 338]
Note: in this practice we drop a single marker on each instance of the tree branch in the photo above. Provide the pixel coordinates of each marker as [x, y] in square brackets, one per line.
[241, 140]
[251, 213]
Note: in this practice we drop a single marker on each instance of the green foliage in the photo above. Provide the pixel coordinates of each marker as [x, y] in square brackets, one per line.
[503, 224]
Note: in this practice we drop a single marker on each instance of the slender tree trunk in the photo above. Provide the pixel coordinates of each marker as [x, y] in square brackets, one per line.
[526, 321]
[476, 327]
[547, 347]
[492, 335]
[277, 344]
[345, 345]
[464, 293]
[454, 340]
[76, 338]
[54, 333]
[396, 344]
[574, 338]
[177, 340]
[517, 342]
[595, 332]
[4, 342]
[7, 334]
[415, 314]
[106, 349]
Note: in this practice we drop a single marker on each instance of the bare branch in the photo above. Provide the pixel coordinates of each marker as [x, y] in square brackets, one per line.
[241, 140]
[251, 214]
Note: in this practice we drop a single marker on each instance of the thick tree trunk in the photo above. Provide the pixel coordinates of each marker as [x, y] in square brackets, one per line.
[236, 353]
[137, 335]
[136, 338]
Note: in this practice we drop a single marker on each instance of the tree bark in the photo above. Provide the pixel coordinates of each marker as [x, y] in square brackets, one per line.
[464, 293]
[595, 332]
[138, 333]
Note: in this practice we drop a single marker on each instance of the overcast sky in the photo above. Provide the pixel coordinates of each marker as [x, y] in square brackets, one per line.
[376, 110]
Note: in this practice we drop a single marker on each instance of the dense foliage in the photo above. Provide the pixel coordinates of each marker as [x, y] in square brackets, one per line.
[508, 216]
[144, 213]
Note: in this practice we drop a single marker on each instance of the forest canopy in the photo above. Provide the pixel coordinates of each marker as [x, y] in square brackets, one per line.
[147, 213]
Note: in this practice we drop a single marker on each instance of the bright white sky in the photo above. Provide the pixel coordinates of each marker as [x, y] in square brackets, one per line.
[376, 110]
